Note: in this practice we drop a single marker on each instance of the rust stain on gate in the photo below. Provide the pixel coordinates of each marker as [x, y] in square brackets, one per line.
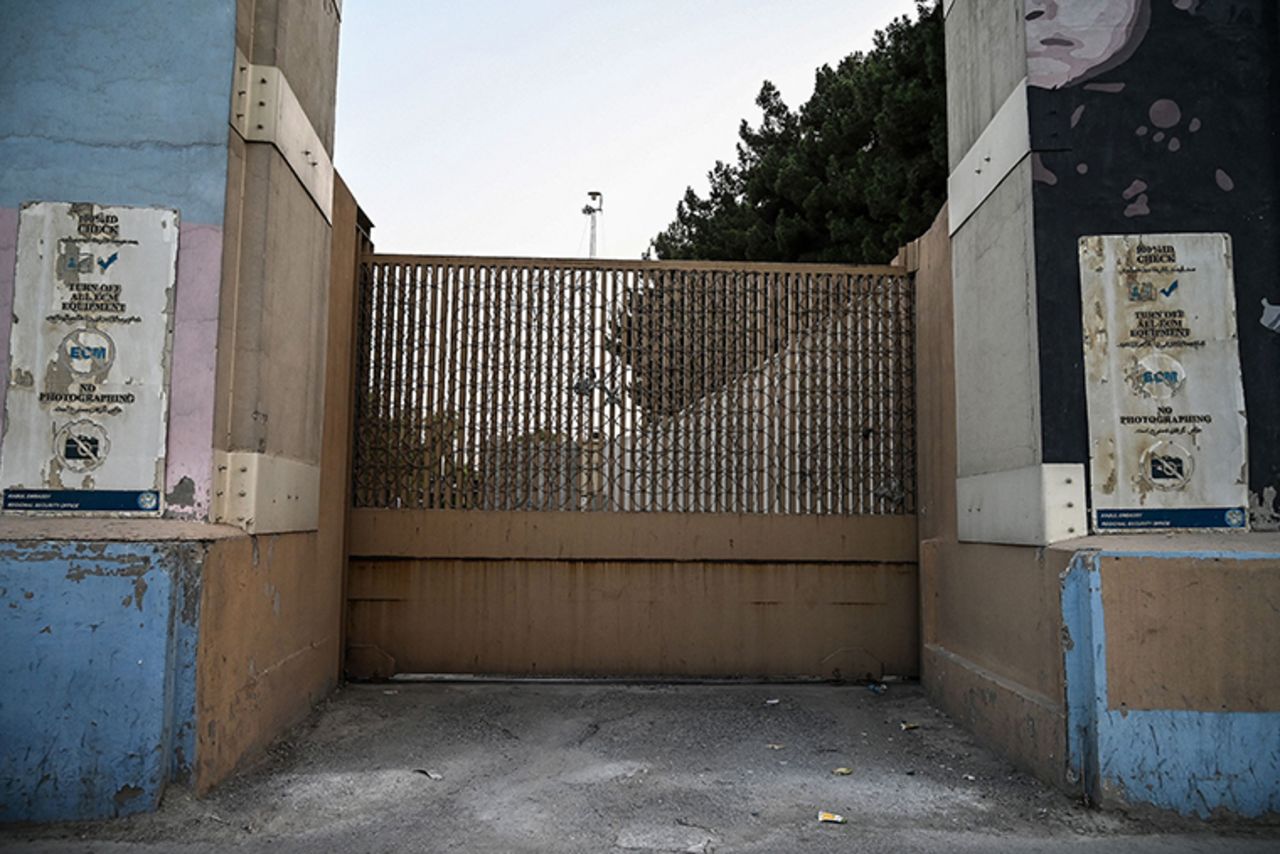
[687, 436]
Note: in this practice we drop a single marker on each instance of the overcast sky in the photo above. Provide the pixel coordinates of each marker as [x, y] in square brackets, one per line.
[476, 127]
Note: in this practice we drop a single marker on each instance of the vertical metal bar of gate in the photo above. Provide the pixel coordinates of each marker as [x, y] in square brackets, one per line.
[507, 384]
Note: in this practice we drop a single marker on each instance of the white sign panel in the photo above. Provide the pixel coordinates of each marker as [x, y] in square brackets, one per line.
[1162, 379]
[87, 404]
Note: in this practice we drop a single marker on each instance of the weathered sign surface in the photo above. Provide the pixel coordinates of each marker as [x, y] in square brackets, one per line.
[87, 404]
[1162, 378]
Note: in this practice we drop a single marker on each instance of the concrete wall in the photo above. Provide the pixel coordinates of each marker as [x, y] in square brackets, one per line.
[1164, 136]
[271, 614]
[273, 321]
[991, 653]
[992, 246]
[274, 315]
[1005, 492]
[990, 616]
[119, 105]
[1134, 670]
[929, 258]
[625, 594]
[149, 651]
[96, 715]
[632, 618]
[1172, 685]
[1131, 134]
[268, 647]
[301, 39]
[114, 104]
[989, 67]
[997, 384]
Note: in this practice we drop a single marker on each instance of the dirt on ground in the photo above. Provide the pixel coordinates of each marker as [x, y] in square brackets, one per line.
[592, 767]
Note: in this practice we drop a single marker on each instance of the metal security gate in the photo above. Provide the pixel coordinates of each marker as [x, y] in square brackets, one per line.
[539, 431]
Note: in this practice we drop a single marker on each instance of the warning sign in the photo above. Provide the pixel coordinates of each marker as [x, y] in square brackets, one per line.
[87, 402]
[1162, 380]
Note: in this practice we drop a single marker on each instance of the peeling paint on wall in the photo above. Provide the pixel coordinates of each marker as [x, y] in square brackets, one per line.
[92, 318]
[1264, 510]
[114, 626]
[1192, 762]
[1162, 381]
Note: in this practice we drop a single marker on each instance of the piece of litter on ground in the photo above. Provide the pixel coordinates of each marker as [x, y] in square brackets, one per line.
[877, 687]
[830, 817]
[389, 693]
[772, 702]
[433, 775]
[970, 777]
[774, 746]
[842, 772]
[906, 726]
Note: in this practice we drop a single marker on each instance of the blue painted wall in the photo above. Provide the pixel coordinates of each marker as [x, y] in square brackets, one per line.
[127, 103]
[1194, 763]
[121, 103]
[98, 672]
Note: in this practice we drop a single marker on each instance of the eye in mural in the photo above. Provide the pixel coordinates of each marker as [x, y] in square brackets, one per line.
[1071, 41]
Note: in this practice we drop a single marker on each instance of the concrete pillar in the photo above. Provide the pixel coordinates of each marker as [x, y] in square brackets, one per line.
[1128, 117]
[1095, 120]
[167, 642]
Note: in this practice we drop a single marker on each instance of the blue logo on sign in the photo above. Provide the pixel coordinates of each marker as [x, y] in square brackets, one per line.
[1169, 378]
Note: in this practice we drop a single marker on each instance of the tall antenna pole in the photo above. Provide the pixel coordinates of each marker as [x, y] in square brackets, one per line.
[592, 211]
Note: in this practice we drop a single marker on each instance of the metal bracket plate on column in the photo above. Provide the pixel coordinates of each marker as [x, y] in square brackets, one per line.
[1000, 147]
[264, 108]
[265, 494]
[1032, 506]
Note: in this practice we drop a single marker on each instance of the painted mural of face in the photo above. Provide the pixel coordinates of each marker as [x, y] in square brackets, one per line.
[1070, 41]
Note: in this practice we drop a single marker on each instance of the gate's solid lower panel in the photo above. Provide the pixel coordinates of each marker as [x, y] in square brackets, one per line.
[616, 618]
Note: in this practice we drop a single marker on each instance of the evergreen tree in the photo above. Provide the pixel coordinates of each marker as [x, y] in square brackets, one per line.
[850, 176]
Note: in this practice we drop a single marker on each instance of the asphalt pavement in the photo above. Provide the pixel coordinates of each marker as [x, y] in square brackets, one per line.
[600, 767]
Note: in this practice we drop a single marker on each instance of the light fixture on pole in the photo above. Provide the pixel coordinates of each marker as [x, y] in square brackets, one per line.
[592, 209]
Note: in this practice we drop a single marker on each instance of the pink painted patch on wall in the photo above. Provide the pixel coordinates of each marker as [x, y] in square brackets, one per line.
[189, 463]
